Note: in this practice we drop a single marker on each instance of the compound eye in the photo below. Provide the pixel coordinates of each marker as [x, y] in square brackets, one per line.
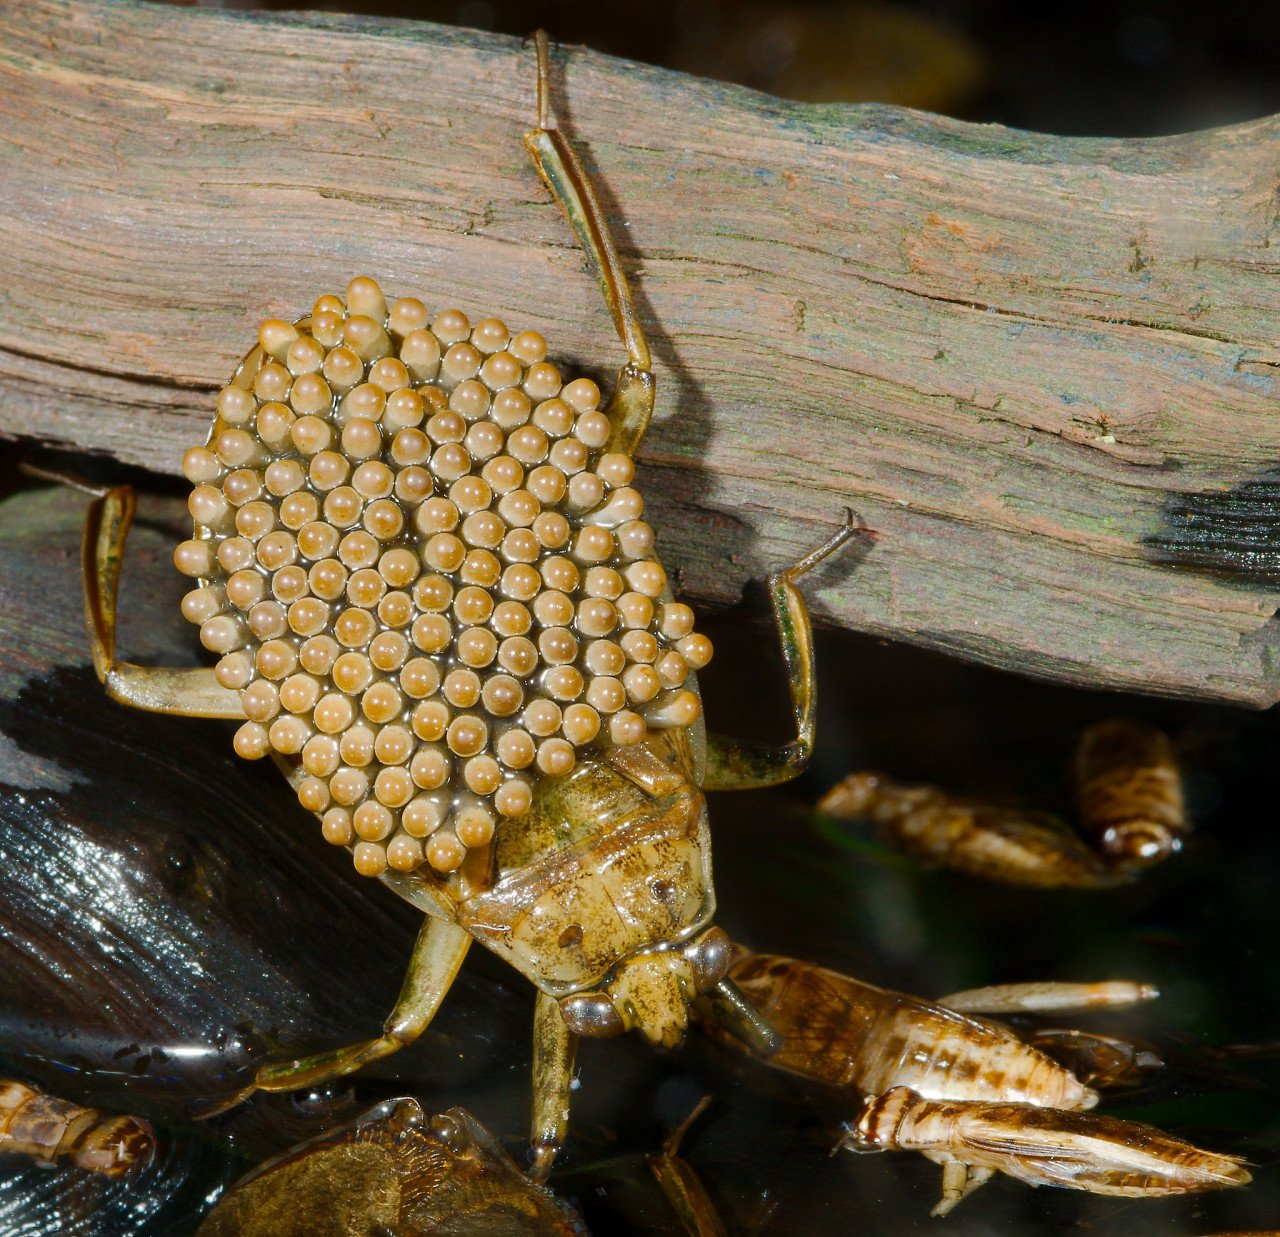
[709, 956]
[592, 1015]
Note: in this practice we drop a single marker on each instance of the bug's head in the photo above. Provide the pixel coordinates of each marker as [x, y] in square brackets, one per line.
[1141, 841]
[651, 991]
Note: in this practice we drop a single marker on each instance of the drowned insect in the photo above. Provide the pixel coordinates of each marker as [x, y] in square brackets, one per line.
[438, 608]
[37, 1124]
[396, 1170]
[1129, 805]
[967, 1091]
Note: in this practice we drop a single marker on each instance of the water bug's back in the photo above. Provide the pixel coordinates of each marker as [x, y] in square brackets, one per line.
[426, 574]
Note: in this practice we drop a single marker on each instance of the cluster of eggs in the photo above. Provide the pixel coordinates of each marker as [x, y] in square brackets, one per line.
[425, 574]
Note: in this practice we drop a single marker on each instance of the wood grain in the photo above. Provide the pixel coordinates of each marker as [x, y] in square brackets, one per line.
[1013, 355]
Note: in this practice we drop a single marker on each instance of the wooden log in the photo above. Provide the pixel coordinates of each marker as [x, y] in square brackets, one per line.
[1042, 369]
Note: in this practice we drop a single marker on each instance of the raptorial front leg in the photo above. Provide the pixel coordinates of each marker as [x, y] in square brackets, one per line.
[438, 953]
[631, 406]
[189, 692]
[735, 765]
[554, 1049]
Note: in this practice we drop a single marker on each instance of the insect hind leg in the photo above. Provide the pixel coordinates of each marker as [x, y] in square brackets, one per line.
[631, 406]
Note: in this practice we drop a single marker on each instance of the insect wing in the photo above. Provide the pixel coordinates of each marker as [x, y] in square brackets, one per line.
[1084, 1151]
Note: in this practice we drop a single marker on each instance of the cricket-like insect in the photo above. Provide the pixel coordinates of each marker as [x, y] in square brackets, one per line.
[37, 1124]
[1129, 802]
[423, 564]
[967, 1092]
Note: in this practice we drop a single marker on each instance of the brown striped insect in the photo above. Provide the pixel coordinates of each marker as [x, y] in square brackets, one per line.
[972, 1139]
[1129, 804]
[964, 1090]
[420, 558]
[37, 1124]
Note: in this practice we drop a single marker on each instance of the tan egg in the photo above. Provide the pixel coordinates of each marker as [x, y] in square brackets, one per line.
[405, 853]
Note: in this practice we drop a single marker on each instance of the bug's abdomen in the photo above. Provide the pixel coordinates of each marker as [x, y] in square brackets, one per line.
[427, 574]
[943, 1055]
[50, 1128]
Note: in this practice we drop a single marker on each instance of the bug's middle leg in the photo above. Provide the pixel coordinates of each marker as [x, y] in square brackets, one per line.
[437, 955]
[736, 765]
[959, 1180]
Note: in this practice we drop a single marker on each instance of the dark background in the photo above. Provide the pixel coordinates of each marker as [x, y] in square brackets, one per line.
[1085, 67]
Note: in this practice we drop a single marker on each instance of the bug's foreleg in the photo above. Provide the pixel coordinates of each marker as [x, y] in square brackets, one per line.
[437, 955]
[554, 1049]
[735, 765]
[729, 1009]
[631, 406]
[191, 693]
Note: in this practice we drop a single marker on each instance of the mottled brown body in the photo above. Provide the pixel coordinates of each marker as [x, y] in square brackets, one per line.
[566, 908]
[48, 1128]
[393, 1170]
[377, 638]
[850, 1034]
[1130, 806]
[1077, 1150]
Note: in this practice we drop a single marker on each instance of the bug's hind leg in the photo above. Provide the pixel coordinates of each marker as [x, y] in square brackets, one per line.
[631, 405]
[437, 955]
[735, 765]
[1049, 997]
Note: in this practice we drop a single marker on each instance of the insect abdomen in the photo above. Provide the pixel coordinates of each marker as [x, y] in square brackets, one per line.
[49, 1128]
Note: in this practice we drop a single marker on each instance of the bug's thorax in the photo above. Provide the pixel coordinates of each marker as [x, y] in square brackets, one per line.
[614, 861]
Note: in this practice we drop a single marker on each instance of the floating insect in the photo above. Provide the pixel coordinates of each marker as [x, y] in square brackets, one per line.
[1129, 803]
[965, 1091]
[35, 1123]
[393, 1170]
[437, 606]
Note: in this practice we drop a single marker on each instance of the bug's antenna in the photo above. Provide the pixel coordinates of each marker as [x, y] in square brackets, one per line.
[544, 80]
